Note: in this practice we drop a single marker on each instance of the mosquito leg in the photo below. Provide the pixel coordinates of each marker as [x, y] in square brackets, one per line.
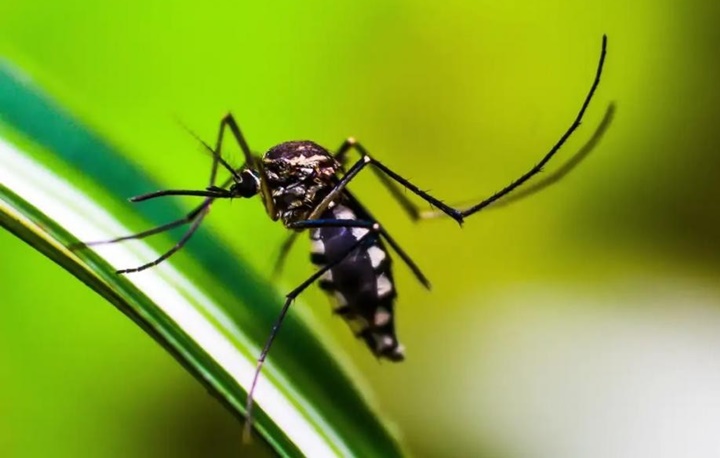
[290, 297]
[141, 235]
[165, 227]
[390, 179]
[332, 222]
[290, 240]
[282, 255]
[196, 215]
[538, 167]
[550, 179]
[228, 121]
[365, 214]
[364, 161]
[214, 192]
[408, 206]
[183, 240]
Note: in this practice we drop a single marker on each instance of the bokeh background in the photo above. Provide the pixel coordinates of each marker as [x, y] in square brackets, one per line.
[584, 322]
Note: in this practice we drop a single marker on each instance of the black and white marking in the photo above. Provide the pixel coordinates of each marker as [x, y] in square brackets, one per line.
[361, 284]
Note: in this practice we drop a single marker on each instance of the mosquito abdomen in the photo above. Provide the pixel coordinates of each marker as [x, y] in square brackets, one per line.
[361, 287]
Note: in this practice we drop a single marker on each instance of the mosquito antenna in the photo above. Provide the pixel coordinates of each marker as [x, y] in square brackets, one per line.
[214, 153]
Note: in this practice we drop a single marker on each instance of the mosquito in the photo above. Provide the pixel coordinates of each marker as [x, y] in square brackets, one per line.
[305, 186]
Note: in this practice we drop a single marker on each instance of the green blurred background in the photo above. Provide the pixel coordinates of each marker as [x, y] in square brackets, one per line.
[583, 322]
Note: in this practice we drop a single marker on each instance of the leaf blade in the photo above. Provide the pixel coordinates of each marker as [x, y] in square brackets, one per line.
[346, 424]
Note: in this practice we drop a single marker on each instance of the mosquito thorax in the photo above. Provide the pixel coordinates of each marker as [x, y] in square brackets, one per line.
[299, 174]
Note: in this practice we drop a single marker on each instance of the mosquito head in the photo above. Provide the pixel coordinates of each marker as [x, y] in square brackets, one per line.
[299, 174]
[247, 184]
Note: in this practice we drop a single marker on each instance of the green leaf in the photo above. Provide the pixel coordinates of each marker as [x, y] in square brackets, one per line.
[54, 176]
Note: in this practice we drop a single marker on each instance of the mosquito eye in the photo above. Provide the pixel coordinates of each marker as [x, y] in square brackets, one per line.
[247, 187]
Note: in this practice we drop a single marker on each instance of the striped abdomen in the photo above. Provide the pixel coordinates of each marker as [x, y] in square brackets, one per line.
[361, 286]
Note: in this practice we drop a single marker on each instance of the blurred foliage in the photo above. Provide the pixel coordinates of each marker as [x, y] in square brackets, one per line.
[460, 96]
